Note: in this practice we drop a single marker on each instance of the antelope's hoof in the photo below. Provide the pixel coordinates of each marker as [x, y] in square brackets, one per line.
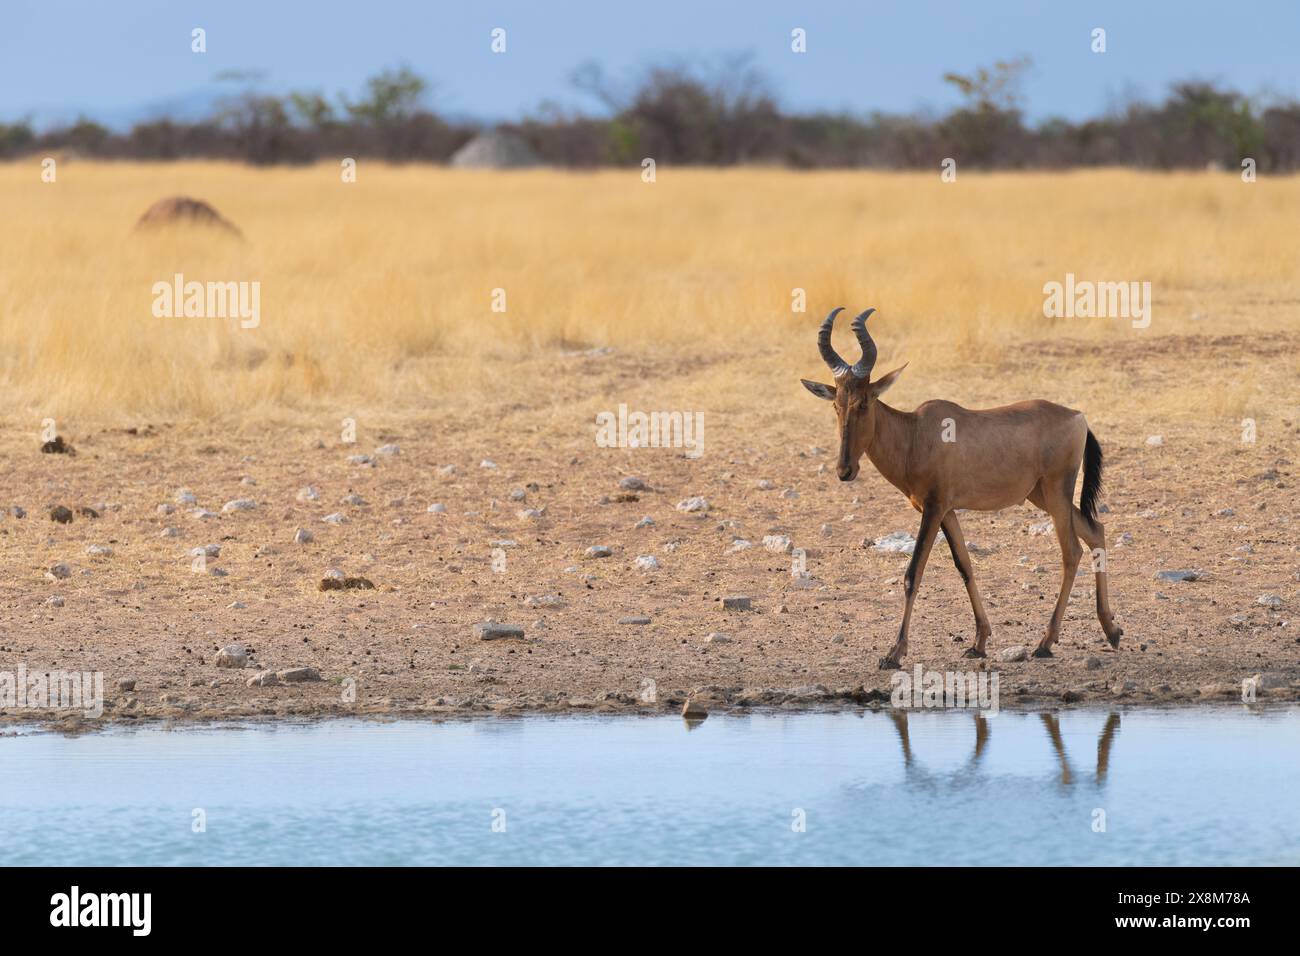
[1043, 652]
[974, 652]
[889, 664]
[1113, 639]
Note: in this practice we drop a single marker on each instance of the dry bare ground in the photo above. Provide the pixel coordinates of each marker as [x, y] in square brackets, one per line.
[1222, 348]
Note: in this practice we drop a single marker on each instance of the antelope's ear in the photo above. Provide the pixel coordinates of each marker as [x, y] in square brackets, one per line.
[821, 391]
[881, 385]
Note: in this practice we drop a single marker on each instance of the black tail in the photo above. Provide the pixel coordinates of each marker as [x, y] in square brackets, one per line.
[1091, 478]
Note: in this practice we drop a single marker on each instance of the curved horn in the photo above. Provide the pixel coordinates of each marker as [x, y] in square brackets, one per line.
[837, 365]
[862, 368]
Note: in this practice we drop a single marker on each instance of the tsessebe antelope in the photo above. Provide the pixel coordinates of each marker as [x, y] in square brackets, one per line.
[944, 457]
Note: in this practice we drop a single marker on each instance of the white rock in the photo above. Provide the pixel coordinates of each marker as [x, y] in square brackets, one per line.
[765, 485]
[166, 508]
[335, 518]
[54, 600]
[790, 494]
[169, 533]
[896, 542]
[185, 497]
[99, 550]
[308, 493]
[717, 638]
[303, 536]
[353, 499]
[645, 522]
[740, 544]
[632, 483]
[1042, 527]
[487, 463]
[1013, 654]
[599, 551]
[239, 504]
[207, 550]
[689, 505]
[1155, 441]
[390, 450]
[58, 572]
[1269, 600]
[232, 655]
[647, 562]
[777, 543]
[437, 508]
[447, 471]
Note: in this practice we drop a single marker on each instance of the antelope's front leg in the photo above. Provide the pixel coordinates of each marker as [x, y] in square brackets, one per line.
[920, 554]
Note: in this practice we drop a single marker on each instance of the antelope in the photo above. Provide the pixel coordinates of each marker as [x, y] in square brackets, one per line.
[946, 458]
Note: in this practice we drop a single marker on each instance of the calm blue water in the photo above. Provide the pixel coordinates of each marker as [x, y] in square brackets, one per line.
[1176, 787]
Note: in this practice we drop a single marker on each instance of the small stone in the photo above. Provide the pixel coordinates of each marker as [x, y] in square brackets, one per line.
[298, 675]
[263, 679]
[166, 508]
[99, 551]
[544, 600]
[696, 504]
[335, 518]
[694, 709]
[447, 471]
[1013, 654]
[185, 497]
[896, 542]
[203, 514]
[437, 509]
[61, 514]
[126, 685]
[487, 463]
[740, 544]
[790, 494]
[354, 500]
[632, 483]
[737, 602]
[1269, 600]
[303, 536]
[232, 655]
[1155, 441]
[764, 485]
[207, 551]
[59, 572]
[645, 522]
[54, 600]
[236, 606]
[1124, 540]
[1042, 527]
[18, 512]
[308, 493]
[1093, 663]
[599, 551]
[634, 620]
[364, 461]
[647, 562]
[239, 504]
[169, 533]
[1224, 513]
[1185, 575]
[492, 631]
[717, 637]
[777, 543]
[389, 450]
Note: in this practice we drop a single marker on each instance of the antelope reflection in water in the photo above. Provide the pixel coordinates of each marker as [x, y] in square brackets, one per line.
[1051, 723]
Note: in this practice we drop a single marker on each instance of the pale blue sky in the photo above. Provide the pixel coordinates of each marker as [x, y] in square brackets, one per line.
[118, 61]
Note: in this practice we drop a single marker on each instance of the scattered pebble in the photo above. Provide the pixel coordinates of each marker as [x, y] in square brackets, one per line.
[599, 551]
[303, 536]
[647, 562]
[1013, 654]
[695, 504]
[232, 655]
[239, 504]
[737, 602]
[492, 631]
[896, 542]
[61, 514]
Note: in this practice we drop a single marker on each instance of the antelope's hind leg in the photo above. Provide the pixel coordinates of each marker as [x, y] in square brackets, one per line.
[961, 558]
[916, 567]
[1060, 507]
[1094, 536]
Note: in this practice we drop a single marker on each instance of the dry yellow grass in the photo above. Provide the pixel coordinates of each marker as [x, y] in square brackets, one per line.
[378, 294]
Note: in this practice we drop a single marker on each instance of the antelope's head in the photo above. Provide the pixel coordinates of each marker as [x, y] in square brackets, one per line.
[853, 394]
